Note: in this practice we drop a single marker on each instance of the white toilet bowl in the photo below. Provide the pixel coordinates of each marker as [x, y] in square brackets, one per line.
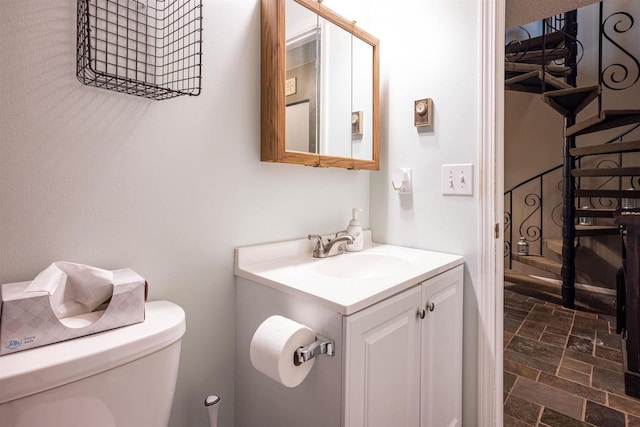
[118, 378]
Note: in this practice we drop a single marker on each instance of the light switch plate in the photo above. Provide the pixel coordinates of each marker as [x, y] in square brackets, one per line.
[457, 180]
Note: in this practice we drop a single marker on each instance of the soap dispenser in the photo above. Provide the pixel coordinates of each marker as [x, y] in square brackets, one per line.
[355, 230]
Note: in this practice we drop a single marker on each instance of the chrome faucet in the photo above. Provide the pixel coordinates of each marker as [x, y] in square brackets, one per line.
[322, 250]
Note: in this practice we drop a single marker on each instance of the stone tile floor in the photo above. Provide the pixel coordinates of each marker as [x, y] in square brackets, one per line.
[563, 368]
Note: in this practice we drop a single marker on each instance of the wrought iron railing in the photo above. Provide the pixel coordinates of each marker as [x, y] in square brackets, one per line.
[531, 194]
[617, 76]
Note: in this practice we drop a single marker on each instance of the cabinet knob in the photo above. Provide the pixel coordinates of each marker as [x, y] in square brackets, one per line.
[421, 314]
[431, 306]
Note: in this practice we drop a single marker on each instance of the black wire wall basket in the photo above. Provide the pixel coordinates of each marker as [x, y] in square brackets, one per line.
[148, 48]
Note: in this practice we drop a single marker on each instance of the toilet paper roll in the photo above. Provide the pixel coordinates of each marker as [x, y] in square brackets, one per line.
[272, 348]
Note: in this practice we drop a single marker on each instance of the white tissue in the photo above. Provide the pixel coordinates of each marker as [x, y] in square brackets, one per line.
[272, 348]
[74, 289]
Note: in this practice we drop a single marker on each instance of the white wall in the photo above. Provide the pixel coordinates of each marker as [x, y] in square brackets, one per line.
[167, 188]
[170, 188]
[431, 50]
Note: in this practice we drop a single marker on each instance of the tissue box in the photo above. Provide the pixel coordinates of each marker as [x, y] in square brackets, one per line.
[27, 320]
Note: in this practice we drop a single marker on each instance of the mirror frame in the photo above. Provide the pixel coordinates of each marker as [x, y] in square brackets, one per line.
[272, 102]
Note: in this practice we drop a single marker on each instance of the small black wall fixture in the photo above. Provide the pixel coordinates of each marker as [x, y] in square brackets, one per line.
[148, 48]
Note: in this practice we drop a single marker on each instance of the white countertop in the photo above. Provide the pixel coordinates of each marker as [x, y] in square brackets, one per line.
[289, 267]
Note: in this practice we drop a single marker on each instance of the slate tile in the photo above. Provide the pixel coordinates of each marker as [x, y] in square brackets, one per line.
[601, 416]
[593, 324]
[520, 369]
[585, 314]
[563, 312]
[522, 409]
[633, 421]
[542, 309]
[508, 379]
[515, 316]
[530, 361]
[575, 376]
[549, 397]
[553, 339]
[574, 365]
[608, 380]
[506, 337]
[511, 325]
[583, 332]
[582, 345]
[509, 421]
[536, 350]
[613, 341]
[522, 299]
[626, 404]
[592, 360]
[609, 354]
[518, 308]
[573, 388]
[531, 330]
[553, 418]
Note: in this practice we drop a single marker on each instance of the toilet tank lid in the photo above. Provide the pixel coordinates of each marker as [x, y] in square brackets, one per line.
[32, 371]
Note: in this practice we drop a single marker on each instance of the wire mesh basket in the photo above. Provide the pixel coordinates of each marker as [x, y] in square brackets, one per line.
[149, 48]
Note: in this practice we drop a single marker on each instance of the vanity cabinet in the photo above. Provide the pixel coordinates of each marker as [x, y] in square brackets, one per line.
[395, 315]
[403, 358]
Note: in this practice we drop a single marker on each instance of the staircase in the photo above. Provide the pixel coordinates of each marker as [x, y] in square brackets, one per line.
[547, 65]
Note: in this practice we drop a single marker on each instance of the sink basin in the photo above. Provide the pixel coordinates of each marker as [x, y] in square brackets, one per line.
[344, 283]
[358, 266]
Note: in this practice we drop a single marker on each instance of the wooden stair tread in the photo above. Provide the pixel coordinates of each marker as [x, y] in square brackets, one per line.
[596, 213]
[536, 56]
[571, 100]
[524, 279]
[550, 41]
[546, 264]
[608, 119]
[518, 67]
[540, 262]
[626, 171]
[532, 82]
[608, 194]
[614, 147]
[596, 230]
[523, 283]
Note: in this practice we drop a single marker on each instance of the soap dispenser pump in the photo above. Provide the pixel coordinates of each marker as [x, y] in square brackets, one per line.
[355, 230]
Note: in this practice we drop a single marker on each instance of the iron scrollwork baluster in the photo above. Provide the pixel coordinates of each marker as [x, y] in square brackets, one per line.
[619, 76]
[532, 233]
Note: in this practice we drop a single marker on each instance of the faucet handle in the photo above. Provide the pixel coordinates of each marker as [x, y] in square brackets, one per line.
[319, 243]
[338, 233]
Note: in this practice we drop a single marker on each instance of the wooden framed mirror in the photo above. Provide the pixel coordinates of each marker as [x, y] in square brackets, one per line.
[320, 87]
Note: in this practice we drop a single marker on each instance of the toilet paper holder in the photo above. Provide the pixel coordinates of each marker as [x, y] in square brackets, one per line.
[322, 345]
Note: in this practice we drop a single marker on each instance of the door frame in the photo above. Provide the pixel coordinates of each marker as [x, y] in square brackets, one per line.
[491, 215]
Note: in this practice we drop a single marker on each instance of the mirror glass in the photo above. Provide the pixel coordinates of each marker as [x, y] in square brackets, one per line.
[362, 100]
[319, 87]
[335, 87]
[301, 81]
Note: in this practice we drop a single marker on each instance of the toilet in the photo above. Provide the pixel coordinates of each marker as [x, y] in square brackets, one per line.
[118, 378]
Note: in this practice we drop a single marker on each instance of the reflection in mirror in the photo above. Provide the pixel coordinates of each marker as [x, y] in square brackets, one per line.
[297, 133]
[362, 100]
[335, 112]
[301, 87]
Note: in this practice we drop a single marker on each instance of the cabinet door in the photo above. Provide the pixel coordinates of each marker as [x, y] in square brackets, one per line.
[382, 363]
[442, 350]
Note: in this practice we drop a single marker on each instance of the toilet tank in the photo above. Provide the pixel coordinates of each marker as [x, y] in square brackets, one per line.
[118, 378]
